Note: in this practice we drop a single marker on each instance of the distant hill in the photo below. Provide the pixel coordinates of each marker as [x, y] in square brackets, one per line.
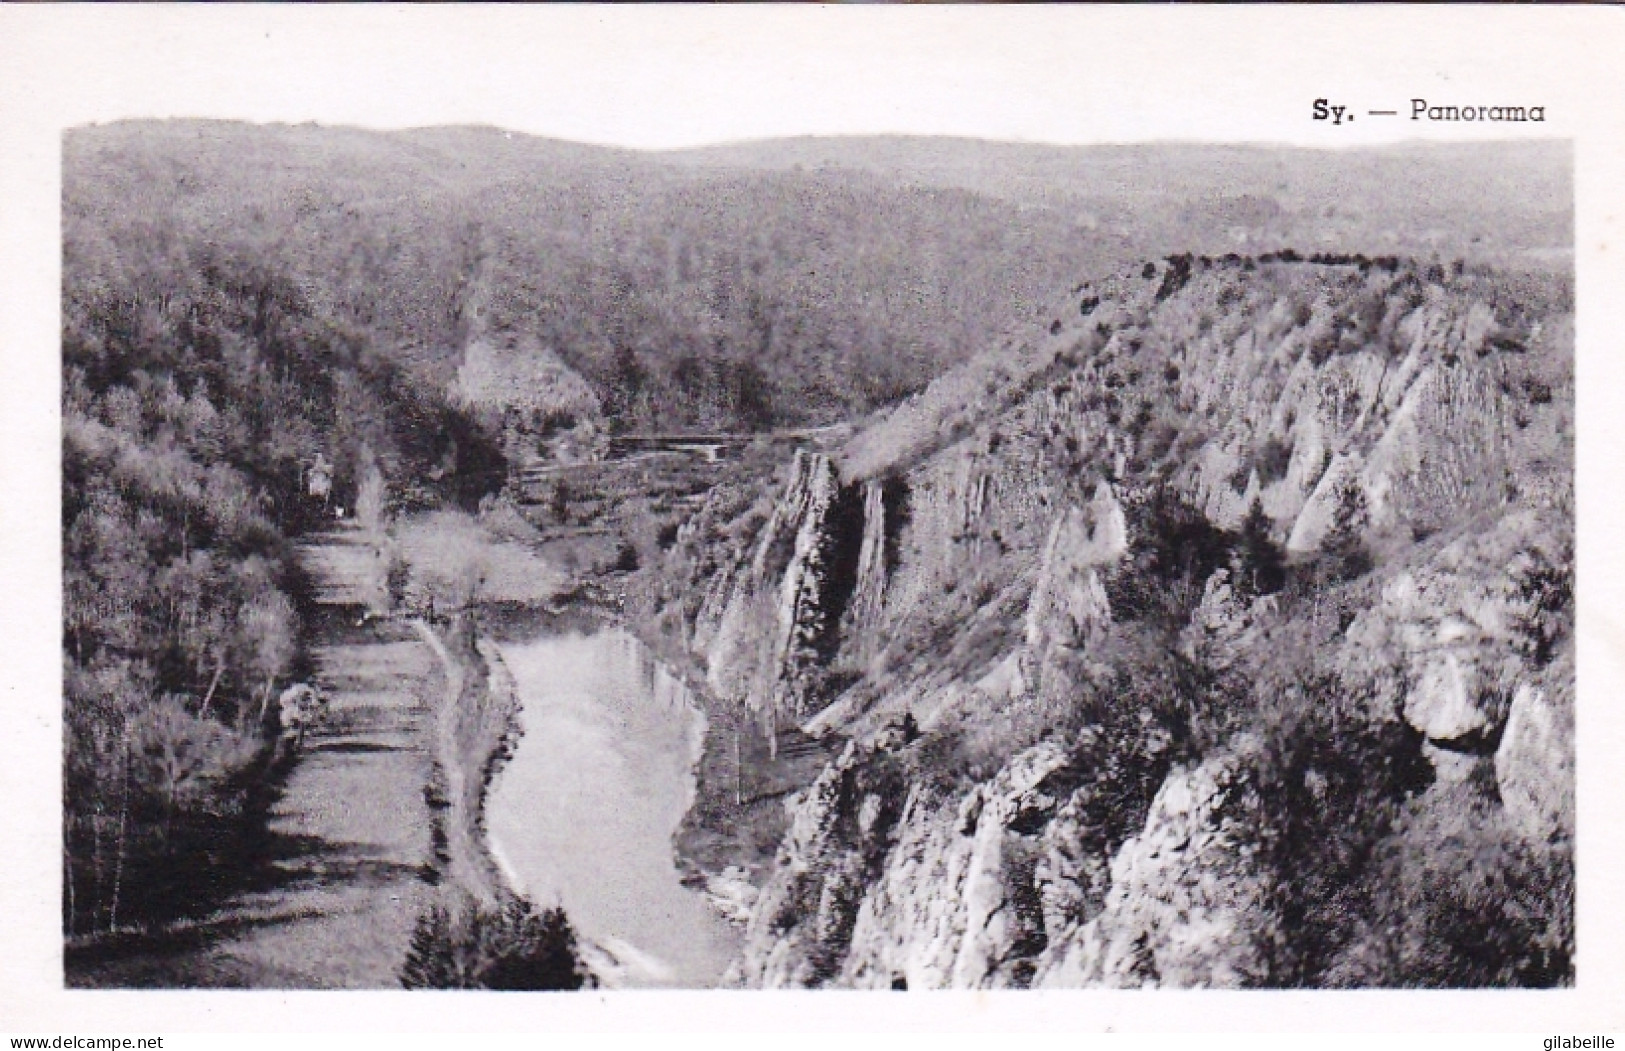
[1489, 202]
[715, 298]
[742, 286]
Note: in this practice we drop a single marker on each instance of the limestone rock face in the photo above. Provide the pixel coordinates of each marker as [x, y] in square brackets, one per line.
[1045, 790]
[911, 925]
[869, 590]
[1073, 871]
[1069, 599]
[1000, 920]
[1444, 705]
[801, 616]
[956, 906]
[839, 835]
[1224, 623]
[1534, 765]
[1456, 639]
[932, 893]
[1187, 906]
[768, 614]
[1319, 512]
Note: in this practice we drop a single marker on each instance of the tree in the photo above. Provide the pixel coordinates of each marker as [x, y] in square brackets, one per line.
[370, 496]
[538, 951]
[267, 626]
[1262, 566]
[558, 503]
[181, 754]
[1345, 543]
[370, 514]
[513, 946]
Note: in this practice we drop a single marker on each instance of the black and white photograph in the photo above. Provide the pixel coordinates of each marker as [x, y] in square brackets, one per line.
[891, 555]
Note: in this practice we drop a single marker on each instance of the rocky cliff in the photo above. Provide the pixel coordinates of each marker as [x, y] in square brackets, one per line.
[1218, 634]
[763, 626]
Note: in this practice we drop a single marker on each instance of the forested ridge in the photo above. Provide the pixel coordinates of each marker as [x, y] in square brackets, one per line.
[761, 285]
[732, 300]
[198, 387]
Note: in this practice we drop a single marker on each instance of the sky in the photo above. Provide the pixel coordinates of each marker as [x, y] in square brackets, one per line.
[663, 77]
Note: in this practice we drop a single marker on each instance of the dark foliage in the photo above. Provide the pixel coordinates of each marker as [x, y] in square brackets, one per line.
[1332, 782]
[1261, 565]
[1163, 577]
[1344, 546]
[1455, 899]
[1175, 277]
[514, 946]
[1272, 460]
[200, 388]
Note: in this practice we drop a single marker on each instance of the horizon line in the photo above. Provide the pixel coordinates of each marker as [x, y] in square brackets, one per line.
[1251, 144]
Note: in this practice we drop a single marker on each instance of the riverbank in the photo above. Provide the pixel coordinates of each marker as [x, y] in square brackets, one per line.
[448, 571]
[474, 726]
[614, 811]
[585, 811]
[729, 837]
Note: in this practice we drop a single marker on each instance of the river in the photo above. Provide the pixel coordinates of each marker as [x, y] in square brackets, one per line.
[583, 813]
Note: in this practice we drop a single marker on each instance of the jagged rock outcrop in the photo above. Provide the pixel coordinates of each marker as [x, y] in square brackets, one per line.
[836, 844]
[1223, 626]
[1188, 906]
[1319, 513]
[1455, 640]
[953, 901]
[760, 626]
[1419, 410]
[802, 617]
[1085, 757]
[1534, 766]
[867, 604]
[1069, 599]
[1011, 885]
[956, 906]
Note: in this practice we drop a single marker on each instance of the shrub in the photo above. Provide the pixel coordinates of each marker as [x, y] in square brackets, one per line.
[1176, 550]
[1457, 900]
[185, 760]
[1273, 458]
[1176, 277]
[1331, 781]
[1345, 543]
[1262, 564]
[1323, 346]
[513, 946]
